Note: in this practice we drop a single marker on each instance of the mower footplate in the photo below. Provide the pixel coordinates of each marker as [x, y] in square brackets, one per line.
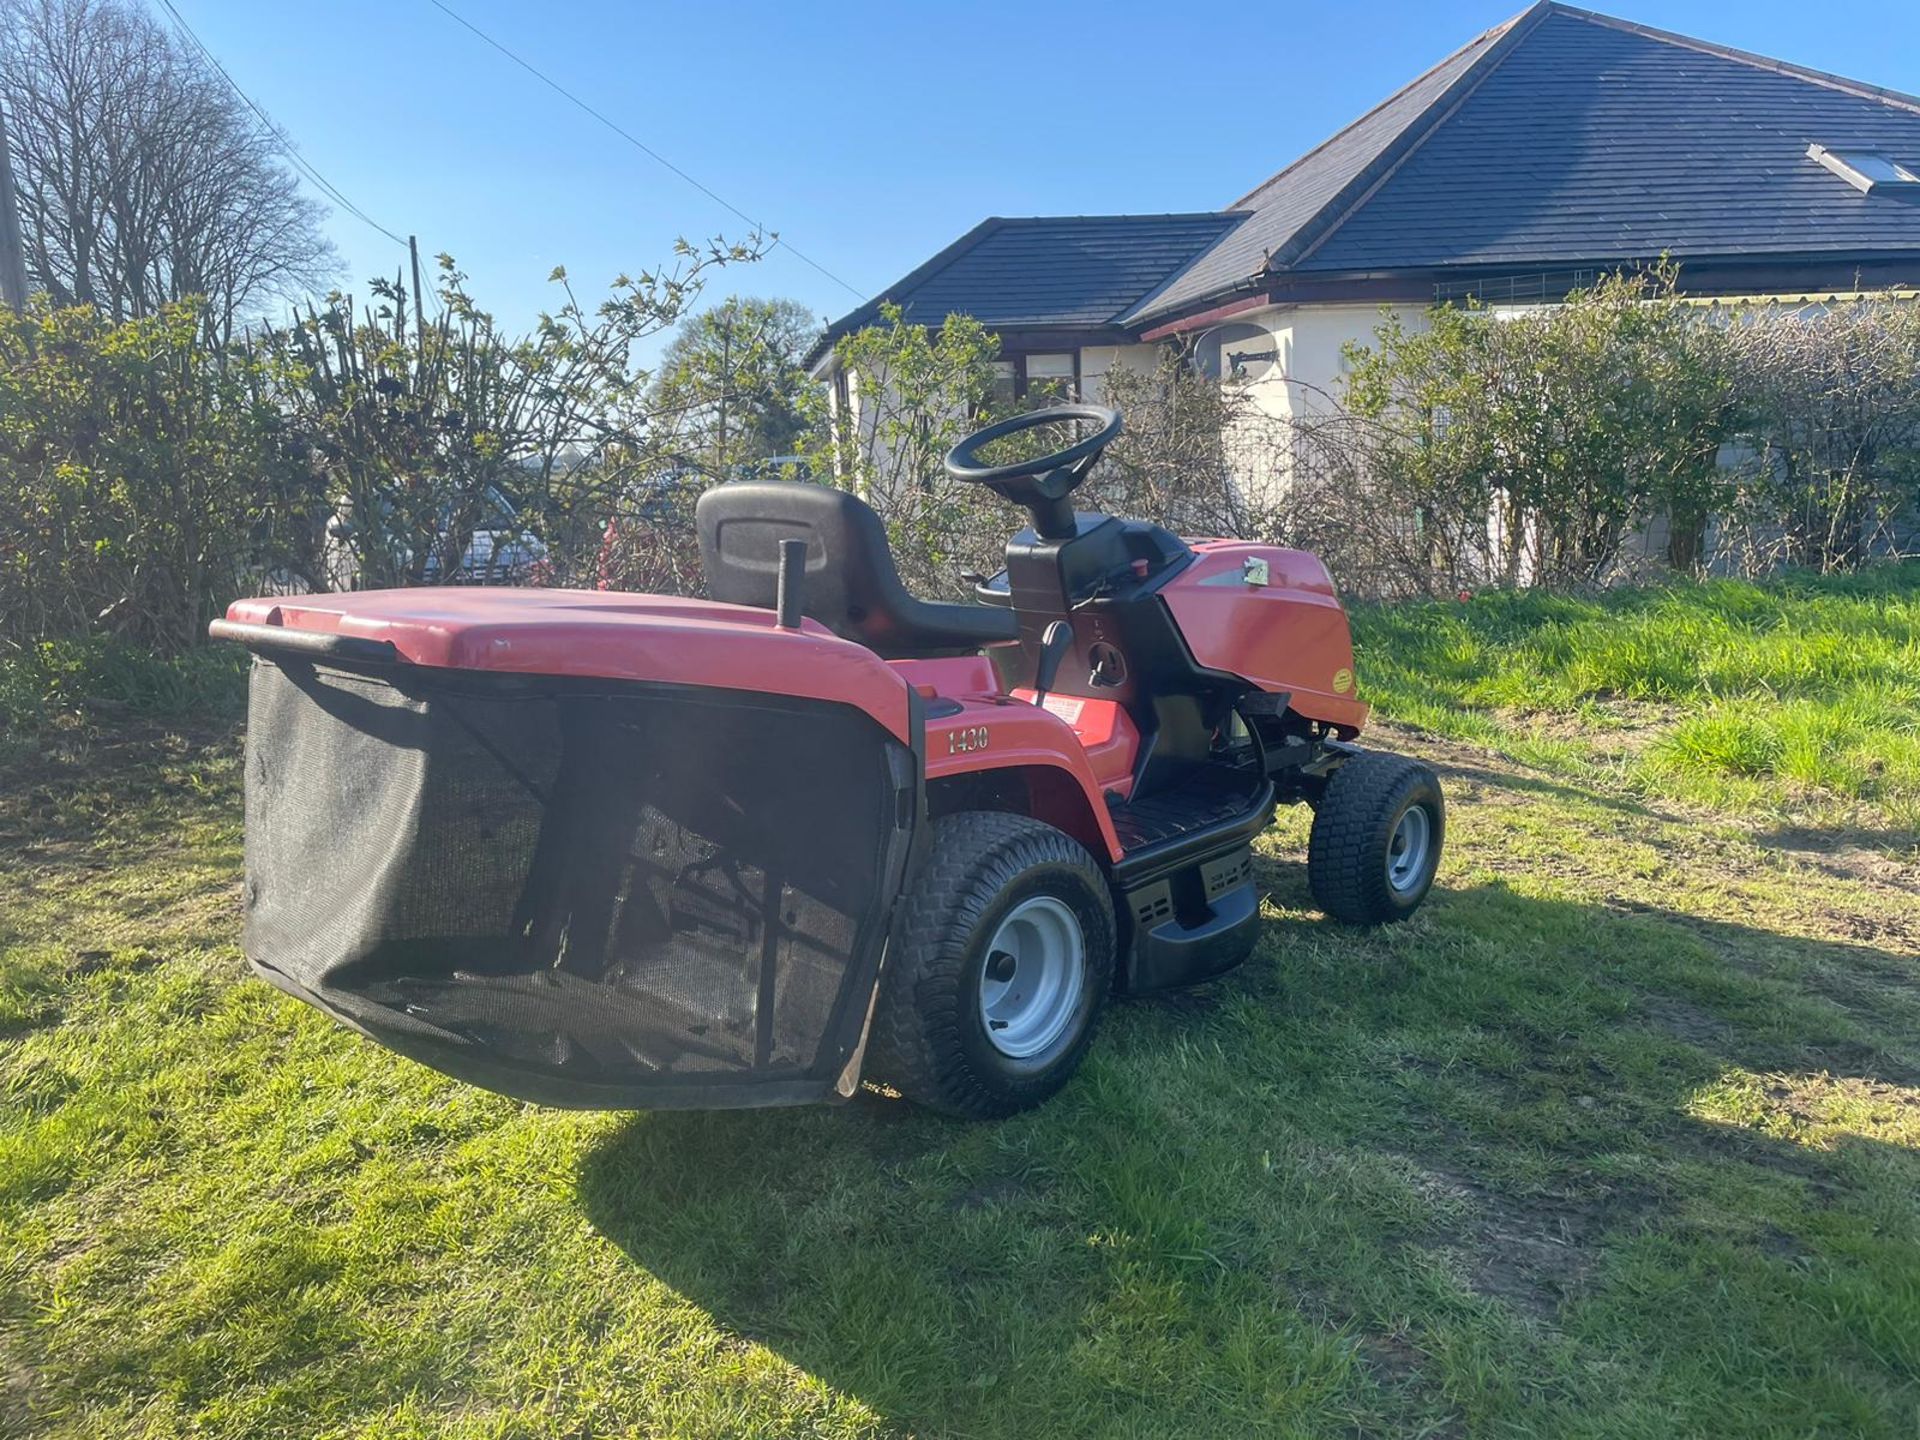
[1186, 879]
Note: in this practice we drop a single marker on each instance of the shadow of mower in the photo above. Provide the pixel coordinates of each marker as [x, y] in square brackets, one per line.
[1317, 1191]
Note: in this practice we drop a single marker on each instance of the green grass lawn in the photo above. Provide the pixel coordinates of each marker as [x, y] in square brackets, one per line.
[1798, 698]
[1619, 1137]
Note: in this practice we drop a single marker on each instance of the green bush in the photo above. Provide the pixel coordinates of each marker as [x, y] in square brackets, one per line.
[149, 476]
[144, 478]
[1523, 448]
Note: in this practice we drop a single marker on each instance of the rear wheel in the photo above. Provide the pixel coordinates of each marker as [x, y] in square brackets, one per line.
[1003, 962]
[1376, 839]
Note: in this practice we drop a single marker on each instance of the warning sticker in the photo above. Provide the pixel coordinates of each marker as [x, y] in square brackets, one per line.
[1067, 707]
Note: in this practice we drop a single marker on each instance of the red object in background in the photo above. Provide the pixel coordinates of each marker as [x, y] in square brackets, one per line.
[1465, 595]
[609, 537]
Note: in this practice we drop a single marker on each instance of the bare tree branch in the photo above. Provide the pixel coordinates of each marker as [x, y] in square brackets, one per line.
[143, 178]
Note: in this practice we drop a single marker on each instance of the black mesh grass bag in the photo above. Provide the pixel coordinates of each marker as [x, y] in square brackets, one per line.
[586, 893]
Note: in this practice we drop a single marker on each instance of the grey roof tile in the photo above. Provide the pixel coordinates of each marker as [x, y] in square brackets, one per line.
[1283, 205]
[1079, 271]
[1595, 140]
[1560, 137]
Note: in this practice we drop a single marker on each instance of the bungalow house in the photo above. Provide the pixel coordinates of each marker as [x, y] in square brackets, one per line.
[1555, 147]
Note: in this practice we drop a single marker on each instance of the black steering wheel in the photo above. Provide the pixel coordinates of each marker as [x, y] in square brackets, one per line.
[1043, 483]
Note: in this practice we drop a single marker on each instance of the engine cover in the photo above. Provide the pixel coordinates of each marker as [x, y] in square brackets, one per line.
[1271, 616]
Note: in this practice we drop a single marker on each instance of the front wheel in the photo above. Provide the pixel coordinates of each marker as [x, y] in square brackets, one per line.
[1376, 838]
[1003, 962]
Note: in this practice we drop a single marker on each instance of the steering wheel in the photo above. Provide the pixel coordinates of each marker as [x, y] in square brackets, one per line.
[1043, 483]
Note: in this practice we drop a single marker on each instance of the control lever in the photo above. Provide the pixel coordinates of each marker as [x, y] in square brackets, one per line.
[1054, 646]
[787, 601]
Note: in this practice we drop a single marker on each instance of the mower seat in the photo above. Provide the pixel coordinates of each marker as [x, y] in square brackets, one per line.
[851, 586]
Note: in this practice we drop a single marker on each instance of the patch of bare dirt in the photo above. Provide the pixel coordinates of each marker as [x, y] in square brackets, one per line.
[1801, 1100]
[1532, 1250]
[1626, 728]
[1887, 856]
[1390, 1355]
[1686, 1022]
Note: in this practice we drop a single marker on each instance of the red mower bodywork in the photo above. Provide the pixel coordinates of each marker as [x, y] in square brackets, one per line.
[592, 848]
[599, 634]
[1287, 632]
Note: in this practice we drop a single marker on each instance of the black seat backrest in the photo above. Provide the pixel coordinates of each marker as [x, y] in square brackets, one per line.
[851, 586]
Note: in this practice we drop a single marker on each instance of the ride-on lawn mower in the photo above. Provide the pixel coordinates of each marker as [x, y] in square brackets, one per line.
[611, 850]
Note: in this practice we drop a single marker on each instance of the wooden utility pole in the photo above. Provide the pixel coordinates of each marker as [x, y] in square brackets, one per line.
[419, 308]
[13, 255]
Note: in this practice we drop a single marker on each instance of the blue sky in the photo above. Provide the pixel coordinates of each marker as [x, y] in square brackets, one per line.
[869, 134]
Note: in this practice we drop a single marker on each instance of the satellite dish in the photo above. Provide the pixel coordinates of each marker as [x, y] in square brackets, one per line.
[1237, 353]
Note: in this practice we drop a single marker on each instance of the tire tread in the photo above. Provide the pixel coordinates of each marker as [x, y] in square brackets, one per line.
[915, 1044]
[1351, 828]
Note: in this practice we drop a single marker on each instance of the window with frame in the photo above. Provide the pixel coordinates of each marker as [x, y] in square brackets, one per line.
[1006, 384]
[1870, 171]
[1050, 379]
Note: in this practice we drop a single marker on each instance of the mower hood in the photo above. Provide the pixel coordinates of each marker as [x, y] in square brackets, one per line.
[601, 634]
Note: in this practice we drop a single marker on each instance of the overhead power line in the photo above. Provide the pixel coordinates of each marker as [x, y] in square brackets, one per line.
[637, 143]
[326, 186]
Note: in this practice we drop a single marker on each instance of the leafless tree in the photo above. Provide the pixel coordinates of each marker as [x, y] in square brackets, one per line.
[143, 176]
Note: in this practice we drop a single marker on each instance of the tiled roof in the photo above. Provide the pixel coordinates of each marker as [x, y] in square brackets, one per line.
[1596, 140]
[1283, 206]
[1080, 271]
[1560, 138]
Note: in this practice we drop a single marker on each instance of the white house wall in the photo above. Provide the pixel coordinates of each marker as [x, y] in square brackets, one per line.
[1097, 360]
[1310, 375]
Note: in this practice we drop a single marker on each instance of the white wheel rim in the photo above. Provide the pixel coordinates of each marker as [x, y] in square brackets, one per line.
[1032, 977]
[1407, 851]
